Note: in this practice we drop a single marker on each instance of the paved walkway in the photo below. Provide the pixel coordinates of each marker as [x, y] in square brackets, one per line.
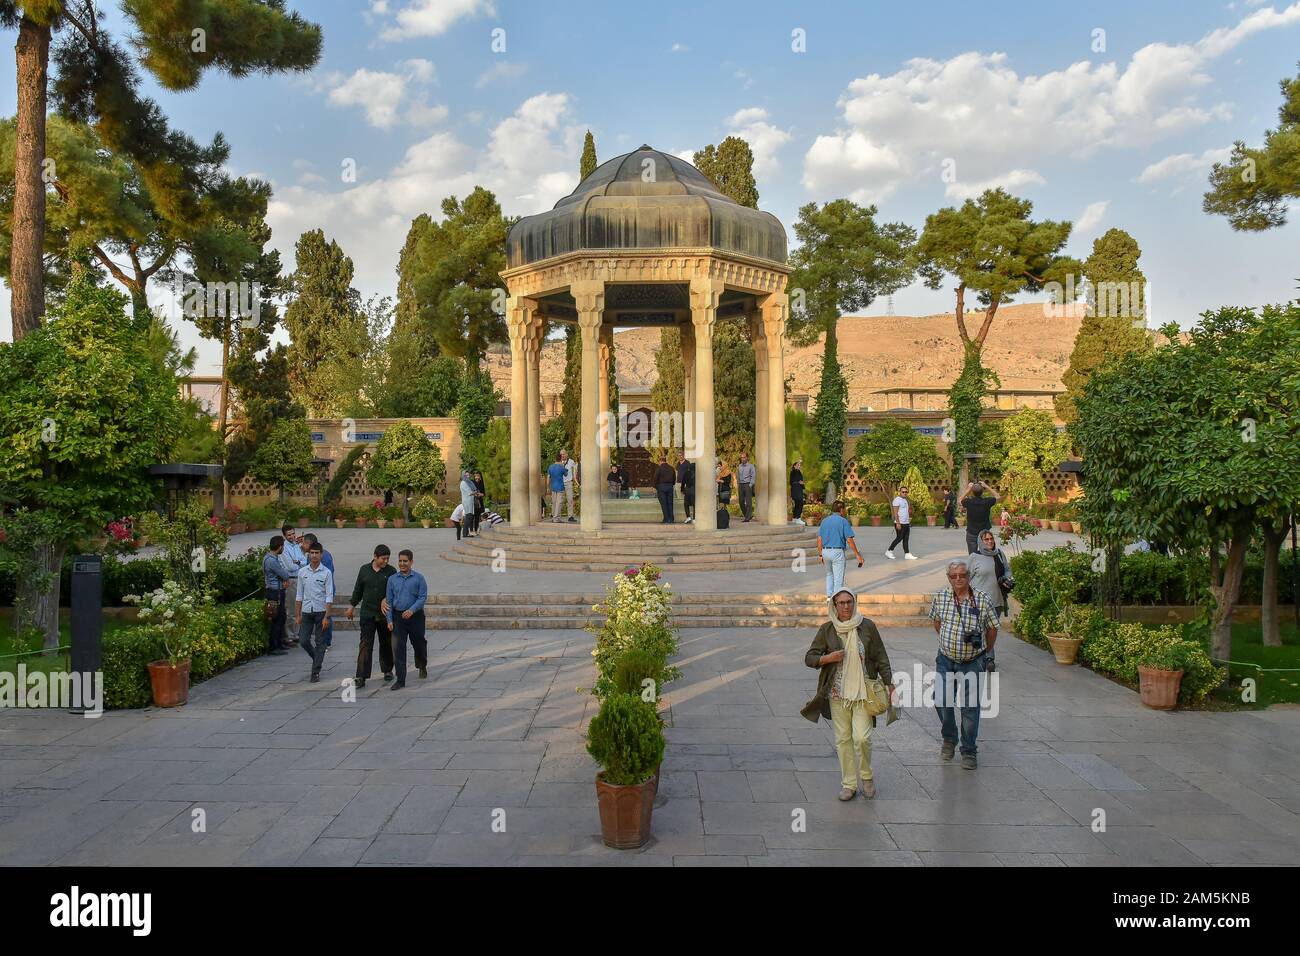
[289, 773]
[935, 547]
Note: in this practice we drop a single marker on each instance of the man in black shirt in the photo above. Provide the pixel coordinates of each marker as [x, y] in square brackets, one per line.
[665, 478]
[686, 478]
[369, 593]
[978, 505]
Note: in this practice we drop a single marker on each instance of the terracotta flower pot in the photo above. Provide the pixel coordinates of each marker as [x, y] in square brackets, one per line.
[625, 812]
[381, 522]
[1067, 526]
[875, 521]
[239, 527]
[304, 522]
[171, 685]
[1159, 688]
[360, 522]
[855, 521]
[1065, 648]
[399, 522]
[425, 523]
[931, 519]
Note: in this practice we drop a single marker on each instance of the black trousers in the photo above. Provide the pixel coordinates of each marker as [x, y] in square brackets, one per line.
[973, 538]
[688, 501]
[374, 629]
[666, 502]
[458, 526]
[903, 533]
[275, 626]
[747, 500]
[411, 628]
[950, 519]
[798, 508]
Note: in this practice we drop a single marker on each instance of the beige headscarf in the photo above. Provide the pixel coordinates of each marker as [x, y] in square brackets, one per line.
[845, 628]
[852, 678]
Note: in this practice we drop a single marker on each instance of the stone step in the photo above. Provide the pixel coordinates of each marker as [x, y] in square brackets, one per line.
[614, 567]
[693, 610]
[676, 598]
[577, 623]
[719, 555]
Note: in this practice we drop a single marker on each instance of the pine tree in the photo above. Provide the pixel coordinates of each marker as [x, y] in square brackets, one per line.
[730, 165]
[733, 389]
[588, 164]
[831, 414]
[571, 396]
[321, 320]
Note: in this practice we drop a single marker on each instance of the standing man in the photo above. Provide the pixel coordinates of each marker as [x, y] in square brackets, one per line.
[570, 477]
[315, 595]
[665, 478]
[326, 558]
[275, 578]
[901, 509]
[686, 479]
[834, 534]
[371, 592]
[294, 559]
[979, 513]
[555, 476]
[949, 508]
[745, 476]
[406, 593]
[967, 628]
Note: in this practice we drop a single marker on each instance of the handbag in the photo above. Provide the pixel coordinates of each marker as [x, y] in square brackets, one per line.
[877, 697]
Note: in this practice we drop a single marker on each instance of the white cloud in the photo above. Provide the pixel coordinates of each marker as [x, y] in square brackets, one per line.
[976, 109]
[381, 94]
[751, 125]
[1184, 166]
[429, 18]
[1015, 179]
[679, 48]
[1091, 217]
[503, 70]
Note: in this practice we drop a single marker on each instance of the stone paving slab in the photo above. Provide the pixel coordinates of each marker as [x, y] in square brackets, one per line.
[485, 762]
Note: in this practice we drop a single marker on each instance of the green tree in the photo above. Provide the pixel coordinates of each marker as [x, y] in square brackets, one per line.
[494, 460]
[477, 405]
[457, 266]
[571, 395]
[1197, 442]
[966, 404]
[1104, 336]
[405, 459]
[411, 346]
[1032, 447]
[893, 448]
[265, 397]
[325, 324]
[668, 394]
[802, 443]
[96, 81]
[845, 260]
[918, 491]
[587, 165]
[85, 410]
[730, 165]
[283, 459]
[428, 391]
[1255, 186]
[992, 248]
[733, 389]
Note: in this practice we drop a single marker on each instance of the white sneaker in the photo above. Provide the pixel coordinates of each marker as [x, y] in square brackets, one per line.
[909, 557]
[889, 555]
[690, 521]
[800, 522]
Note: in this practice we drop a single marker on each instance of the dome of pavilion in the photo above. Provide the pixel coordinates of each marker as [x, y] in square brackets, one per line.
[645, 200]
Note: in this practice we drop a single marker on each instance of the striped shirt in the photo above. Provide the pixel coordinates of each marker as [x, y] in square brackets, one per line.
[975, 613]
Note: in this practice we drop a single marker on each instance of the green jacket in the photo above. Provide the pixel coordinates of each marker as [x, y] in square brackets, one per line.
[370, 588]
[827, 640]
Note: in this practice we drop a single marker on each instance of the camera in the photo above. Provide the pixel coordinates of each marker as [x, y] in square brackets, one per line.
[973, 638]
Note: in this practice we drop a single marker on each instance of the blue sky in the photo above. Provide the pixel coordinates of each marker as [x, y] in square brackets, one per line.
[883, 98]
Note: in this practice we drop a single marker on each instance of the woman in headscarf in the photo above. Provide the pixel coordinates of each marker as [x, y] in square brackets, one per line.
[796, 489]
[724, 482]
[990, 572]
[467, 492]
[480, 500]
[842, 692]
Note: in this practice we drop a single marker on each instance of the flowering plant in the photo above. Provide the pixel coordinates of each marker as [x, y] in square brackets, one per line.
[120, 536]
[374, 510]
[637, 614]
[169, 609]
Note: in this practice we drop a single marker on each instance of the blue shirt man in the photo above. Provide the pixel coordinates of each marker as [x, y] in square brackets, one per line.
[274, 573]
[556, 474]
[294, 558]
[406, 593]
[326, 558]
[833, 535]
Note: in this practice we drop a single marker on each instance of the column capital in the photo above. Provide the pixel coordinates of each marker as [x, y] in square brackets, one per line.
[520, 312]
[706, 294]
[589, 296]
[774, 310]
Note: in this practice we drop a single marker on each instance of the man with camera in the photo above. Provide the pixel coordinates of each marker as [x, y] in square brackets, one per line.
[967, 628]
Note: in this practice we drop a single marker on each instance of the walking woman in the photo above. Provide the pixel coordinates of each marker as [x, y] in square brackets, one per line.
[467, 492]
[852, 688]
[796, 489]
[990, 572]
[480, 501]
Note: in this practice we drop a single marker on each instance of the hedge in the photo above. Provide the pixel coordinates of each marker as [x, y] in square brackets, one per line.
[222, 636]
[234, 578]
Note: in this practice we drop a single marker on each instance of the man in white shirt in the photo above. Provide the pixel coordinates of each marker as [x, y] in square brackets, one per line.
[570, 476]
[293, 558]
[902, 511]
[315, 595]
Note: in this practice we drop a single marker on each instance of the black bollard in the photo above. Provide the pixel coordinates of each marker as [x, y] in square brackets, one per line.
[87, 615]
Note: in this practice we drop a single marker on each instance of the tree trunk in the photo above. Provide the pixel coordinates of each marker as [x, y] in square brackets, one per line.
[1269, 621]
[27, 267]
[1226, 588]
[406, 504]
[37, 606]
[223, 416]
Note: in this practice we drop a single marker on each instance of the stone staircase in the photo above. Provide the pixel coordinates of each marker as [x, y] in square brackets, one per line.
[473, 612]
[679, 547]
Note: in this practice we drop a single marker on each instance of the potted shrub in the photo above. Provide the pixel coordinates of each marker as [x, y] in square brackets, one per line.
[878, 512]
[1066, 628]
[338, 513]
[1160, 669]
[425, 511]
[394, 514]
[375, 513]
[626, 738]
[931, 516]
[169, 608]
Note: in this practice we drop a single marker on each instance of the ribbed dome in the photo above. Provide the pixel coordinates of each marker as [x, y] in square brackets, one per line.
[646, 200]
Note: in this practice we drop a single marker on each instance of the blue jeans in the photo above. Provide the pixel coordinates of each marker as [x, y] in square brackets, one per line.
[834, 558]
[950, 672]
[313, 626]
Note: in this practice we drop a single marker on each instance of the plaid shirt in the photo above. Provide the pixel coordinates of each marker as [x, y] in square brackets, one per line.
[954, 620]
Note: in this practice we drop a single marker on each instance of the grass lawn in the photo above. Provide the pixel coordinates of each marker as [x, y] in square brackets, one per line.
[1274, 684]
[40, 662]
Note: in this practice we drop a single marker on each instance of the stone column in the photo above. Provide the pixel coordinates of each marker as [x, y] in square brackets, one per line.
[774, 315]
[589, 294]
[609, 431]
[705, 294]
[687, 335]
[761, 424]
[517, 316]
[533, 344]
